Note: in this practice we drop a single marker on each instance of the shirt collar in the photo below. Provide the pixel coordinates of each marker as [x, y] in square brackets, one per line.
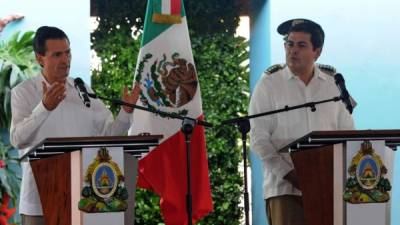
[317, 73]
[70, 80]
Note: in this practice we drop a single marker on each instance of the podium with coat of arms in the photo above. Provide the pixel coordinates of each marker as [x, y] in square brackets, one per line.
[345, 176]
[88, 180]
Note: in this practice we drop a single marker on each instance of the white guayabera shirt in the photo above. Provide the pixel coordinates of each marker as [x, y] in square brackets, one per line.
[270, 133]
[32, 122]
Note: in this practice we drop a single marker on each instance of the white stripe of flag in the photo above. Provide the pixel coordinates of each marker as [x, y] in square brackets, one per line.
[166, 7]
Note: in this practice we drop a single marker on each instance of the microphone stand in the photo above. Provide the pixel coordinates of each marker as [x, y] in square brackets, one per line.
[187, 128]
[243, 124]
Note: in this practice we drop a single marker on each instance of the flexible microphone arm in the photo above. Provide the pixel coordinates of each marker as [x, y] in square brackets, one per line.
[284, 109]
[155, 111]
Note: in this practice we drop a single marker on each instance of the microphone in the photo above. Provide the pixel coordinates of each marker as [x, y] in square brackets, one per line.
[80, 86]
[344, 94]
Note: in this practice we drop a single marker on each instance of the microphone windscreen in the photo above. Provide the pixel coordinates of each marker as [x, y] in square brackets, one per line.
[78, 81]
[339, 78]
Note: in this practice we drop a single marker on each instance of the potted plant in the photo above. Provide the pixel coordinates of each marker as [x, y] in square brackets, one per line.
[9, 182]
[17, 63]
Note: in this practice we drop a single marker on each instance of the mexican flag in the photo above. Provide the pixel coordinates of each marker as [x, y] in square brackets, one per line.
[167, 75]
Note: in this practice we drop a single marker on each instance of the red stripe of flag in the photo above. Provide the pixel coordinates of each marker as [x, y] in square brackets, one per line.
[163, 170]
[175, 7]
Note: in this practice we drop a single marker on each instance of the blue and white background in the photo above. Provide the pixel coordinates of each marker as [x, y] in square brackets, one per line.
[362, 42]
[71, 16]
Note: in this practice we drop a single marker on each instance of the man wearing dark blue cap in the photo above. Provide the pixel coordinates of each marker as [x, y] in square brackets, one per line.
[298, 81]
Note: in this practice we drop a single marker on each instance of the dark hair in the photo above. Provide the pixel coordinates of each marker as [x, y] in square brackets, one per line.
[317, 34]
[43, 34]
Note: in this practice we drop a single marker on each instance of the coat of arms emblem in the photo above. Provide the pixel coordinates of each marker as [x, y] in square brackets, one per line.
[366, 182]
[167, 83]
[104, 189]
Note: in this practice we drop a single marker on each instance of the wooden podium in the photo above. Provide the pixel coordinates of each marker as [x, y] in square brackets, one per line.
[58, 165]
[321, 160]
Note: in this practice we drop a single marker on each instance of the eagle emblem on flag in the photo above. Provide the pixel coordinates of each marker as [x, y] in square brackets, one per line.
[168, 82]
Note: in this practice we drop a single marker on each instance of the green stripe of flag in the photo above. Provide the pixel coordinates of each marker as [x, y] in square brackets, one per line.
[157, 4]
[152, 30]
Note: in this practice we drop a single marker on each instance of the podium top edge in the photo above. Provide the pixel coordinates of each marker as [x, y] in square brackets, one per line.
[322, 138]
[101, 139]
[65, 142]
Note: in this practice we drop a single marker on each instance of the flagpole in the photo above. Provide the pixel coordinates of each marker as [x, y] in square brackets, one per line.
[187, 129]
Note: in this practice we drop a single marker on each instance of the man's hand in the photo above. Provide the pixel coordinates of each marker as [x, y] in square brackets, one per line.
[54, 95]
[131, 97]
[292, 178]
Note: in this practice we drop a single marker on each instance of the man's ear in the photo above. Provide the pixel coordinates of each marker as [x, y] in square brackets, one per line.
[39, 59]
[317, 53]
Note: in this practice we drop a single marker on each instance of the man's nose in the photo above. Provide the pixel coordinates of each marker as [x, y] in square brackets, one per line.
[294, 49]
[66, 58]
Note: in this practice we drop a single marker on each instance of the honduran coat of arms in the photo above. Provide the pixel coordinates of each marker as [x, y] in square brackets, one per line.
[366, 182]
[168, 82]
[104, 189]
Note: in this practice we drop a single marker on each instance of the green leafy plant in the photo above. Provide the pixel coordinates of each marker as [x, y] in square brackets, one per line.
[17, 63]
[204, 17]
[10, 180]
[223, 74]
[9, 175]
[117, 65]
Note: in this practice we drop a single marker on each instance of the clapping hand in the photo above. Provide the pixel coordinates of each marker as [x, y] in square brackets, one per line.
[130, 97]
[53, 95]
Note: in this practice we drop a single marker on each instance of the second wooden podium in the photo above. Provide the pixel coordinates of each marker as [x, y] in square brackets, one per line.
[345, 176]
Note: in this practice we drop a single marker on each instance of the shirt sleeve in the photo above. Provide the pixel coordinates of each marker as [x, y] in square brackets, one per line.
[105, 124]
[261, 130]
[25, 120]
[345, 120]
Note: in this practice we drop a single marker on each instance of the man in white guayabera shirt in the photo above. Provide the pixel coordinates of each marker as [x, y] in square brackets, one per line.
[48, 105]
[298, 81]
